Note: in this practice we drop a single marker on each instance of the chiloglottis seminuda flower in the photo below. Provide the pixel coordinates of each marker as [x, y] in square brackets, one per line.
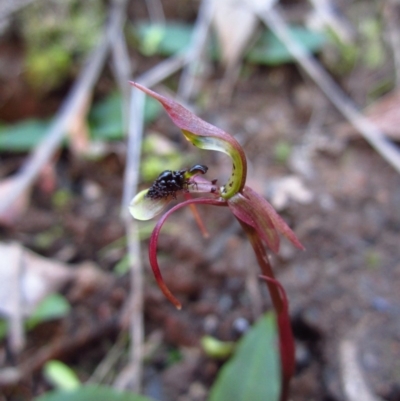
[258, 218]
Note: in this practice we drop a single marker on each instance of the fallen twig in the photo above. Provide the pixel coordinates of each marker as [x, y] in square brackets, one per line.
[196, 51]
[16, 319]
[110, 360]
[71, 106]
[391, 13]
[7, 8]
[354, 385]
[131, 375]
[273, 19]
[132, 317]
[122, 69]
[156, 11]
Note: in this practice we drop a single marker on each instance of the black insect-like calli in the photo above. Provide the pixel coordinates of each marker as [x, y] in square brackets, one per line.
[169, 182]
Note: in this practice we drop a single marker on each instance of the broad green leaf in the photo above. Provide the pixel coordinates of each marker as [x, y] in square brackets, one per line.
[174, 37]
[269, 49]
[52, 307]
[105, 121]
[61, 376]
[166, 39]
[105, 118]
[253, 373]
[91, 393]
[22, 136]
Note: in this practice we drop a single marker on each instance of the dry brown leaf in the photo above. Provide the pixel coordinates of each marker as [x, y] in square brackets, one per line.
[78, 130]
[38, 278]
[385, 114]
[47, 179]
[288, 188]
[17, 208]
[27, 278]
[235, 24]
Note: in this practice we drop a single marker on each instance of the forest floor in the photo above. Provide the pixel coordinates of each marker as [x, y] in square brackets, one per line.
[341, 198]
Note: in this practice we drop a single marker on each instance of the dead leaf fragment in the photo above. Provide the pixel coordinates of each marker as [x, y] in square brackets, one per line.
[385, 114]
[38, 278]
[18, 207]
[235, 24]
[285, 189]
[78, 130]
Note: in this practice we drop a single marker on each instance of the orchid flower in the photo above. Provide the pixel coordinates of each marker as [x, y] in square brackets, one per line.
[259, 220]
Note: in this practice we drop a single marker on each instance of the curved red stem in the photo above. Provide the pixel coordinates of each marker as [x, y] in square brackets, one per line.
[154, 240]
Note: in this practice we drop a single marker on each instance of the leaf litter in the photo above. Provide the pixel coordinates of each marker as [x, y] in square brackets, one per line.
[350, 266]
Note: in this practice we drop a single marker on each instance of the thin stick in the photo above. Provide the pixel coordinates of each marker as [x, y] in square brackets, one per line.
[122, 69]
[133, 313]
[71, 106]
[196, 50]
[109, 361]
[391, 13]
[131, 376]
[148, 79]
[162, 70]
[369, 131]
[16, 319]
[7, 8]
[156, 11]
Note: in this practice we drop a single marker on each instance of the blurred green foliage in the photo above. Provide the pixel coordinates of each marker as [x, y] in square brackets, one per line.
[163, 39]
[368, 49]
[215, 348]
[159, 152]
[342, 57]
[105, 117]
[373, 54]
[61, 376]
[22, 136]
[91, 393]
[269, 50]
[282, 151]
[174, 37]
[3, 328]
[57, 34]
[46, 238]
[105, 123]
[54, 306]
